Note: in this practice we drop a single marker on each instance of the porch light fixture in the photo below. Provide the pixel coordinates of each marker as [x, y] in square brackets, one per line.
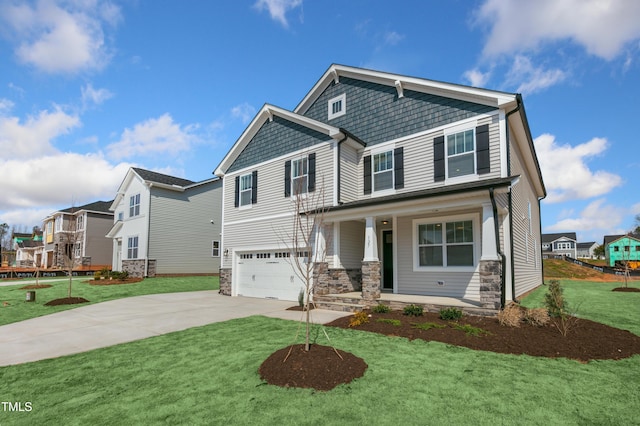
[385, 222]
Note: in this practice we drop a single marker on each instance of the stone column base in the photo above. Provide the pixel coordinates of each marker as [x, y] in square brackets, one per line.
[490, 281]
[225, 281]
[371, 280]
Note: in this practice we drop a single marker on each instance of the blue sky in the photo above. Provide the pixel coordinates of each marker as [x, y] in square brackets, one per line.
[89, 88]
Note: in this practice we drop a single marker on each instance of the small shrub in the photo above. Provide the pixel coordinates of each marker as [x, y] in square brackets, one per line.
[301, 298]
[450, 314]
[381, 309]
[104, 272]
[359, 318]
[511, 316]
[427, 325]
[96, 275]
[413, 310]
[391, 321]
[561, 317]
[538, 316]
[470, 330]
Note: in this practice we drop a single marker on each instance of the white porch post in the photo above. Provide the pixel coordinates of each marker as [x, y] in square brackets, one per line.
[320, 245]
[489, 243]
[370, 240]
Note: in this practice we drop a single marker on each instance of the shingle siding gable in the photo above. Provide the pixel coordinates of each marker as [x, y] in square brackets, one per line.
[274, 139]
[375, 114]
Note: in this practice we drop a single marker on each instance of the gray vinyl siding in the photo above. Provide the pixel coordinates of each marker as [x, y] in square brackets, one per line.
[375, 114]
[97, 246]
[351, 244]
[350, 157]
[180, 229]
[270, 196]
[418, 159]
[527, 271]
[457, 284]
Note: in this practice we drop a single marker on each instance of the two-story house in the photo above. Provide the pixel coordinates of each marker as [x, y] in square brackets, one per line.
[430, 189]
[165, 225]
[621, 249]
[28, 248]
[78, 234]
[560, 244]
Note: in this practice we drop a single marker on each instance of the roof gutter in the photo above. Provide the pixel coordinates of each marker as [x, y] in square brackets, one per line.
[512, 265]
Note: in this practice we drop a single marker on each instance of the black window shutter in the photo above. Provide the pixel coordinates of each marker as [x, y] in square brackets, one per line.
[254, 187]
[438, 159]
[312, 172]
[367, 174]
[398, 167]
[287, 179]
[482, 149]
[237, 192]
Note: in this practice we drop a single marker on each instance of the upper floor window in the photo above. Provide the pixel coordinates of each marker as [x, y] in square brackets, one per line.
[383, 171]
[337, 106]
[616, 248]
[299, 176]
[59, 223]
[134, 205]
[80, 223]
[215, 248]
[120, 215]
[245, 190]
[460, 154]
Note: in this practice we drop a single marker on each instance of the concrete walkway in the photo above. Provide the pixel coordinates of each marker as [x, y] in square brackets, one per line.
[134, 318]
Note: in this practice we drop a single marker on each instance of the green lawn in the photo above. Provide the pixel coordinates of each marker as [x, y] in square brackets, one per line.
[13, 306]
[208, 375]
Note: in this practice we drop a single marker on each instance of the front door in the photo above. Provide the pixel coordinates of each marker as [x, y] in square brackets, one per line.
[387, 260]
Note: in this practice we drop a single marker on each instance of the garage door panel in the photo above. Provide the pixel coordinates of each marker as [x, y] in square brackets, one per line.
[267, 276]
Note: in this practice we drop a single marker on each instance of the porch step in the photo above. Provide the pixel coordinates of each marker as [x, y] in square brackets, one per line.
[338, 306]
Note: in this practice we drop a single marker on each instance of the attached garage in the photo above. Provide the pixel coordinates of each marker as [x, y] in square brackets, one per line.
[267, 274]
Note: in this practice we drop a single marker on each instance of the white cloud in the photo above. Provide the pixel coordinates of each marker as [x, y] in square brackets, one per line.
[565, 172]
[391, 38]
[34, 136]
[154, 136]
[532, 79]
[602, 27]
[91, 96]
[58, 179]
[58, 37]
[244, 111]
[278, 9]
[477, 78]
[596, 216]
[5, 106]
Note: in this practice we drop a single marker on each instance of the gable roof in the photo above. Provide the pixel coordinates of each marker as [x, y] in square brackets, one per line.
[585, 245]
[608, 239]
[549, 238]
[95, 207]
[150, 176]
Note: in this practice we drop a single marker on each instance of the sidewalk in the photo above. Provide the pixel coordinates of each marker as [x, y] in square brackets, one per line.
[134, 318]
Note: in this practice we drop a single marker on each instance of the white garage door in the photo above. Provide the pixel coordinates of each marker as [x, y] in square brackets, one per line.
[267, 274]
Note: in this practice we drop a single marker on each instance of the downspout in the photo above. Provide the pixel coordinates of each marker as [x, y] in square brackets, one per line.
[146, 258]
[510, 200]
[503, 260]
[338, 173]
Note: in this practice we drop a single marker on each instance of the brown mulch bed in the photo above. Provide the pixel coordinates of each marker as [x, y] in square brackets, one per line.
[66, 301]
[320, 368]
[115, 282]
[627, 289]
[35, 286]
[587, 340]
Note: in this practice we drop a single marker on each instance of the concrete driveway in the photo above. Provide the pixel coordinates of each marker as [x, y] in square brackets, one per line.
[134, 318]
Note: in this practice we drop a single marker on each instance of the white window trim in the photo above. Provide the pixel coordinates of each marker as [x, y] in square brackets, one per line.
[306, 191]
[213, 248]
[465, 178]
[342, 112]
[137, 248]
[240, 190]
[475, 220]
[133, 206]
[373, 153]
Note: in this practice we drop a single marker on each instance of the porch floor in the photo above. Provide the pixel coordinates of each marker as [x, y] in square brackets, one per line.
[411, 298]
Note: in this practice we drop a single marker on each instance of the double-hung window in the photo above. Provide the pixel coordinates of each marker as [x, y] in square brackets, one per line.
[246, 186]
[134, 205]
[77, 250]
[445, 244]
[299, 176]
[383, 170]
[132, 248]
[215, 248]
[461, 154]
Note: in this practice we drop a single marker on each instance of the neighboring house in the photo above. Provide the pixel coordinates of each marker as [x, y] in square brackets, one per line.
[28, 248]
[560, 244]
[619, 249]
[79, 231]
[586, 250]
[432, 189]
[164, 225]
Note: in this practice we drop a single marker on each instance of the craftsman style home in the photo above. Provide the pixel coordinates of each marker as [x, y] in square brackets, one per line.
[430, 191]
[165, 225]
[560, 244]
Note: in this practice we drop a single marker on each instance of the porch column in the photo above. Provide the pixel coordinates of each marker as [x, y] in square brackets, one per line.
[370, 240]
[319, 245]
[489, 243]
[371, 263]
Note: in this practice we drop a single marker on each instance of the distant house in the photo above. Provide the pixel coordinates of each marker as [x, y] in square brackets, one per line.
[165, 225]
[88, 225]
[560, 244]
[28, 248]
[586, 250]
[621, 248]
